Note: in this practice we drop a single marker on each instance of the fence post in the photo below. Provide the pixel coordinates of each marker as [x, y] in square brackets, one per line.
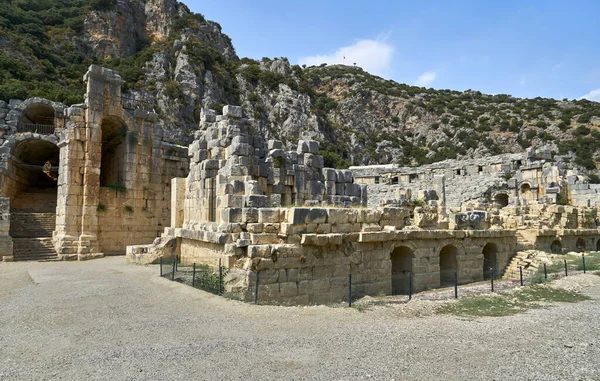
[161, 267]
[409, 285]
[583, 259]
[566, 271]
[349, 290]
[492, 277]
[173, 271]
[455, 285]
[521, 275]
[220, 278]
[256, 291]
[545, 272]
[194, 276]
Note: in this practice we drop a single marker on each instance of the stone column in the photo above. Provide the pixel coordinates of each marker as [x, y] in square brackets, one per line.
[70, 185]
[103, 90]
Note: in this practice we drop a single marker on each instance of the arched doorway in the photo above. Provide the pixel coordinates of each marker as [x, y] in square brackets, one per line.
[598, 245]
[501, 200]
[580, 245]
[525, 189]
[114, 133]
[402, 263]
[490, 264]
[448, 265]
[35, 163]
[556, 247]
[33, 180]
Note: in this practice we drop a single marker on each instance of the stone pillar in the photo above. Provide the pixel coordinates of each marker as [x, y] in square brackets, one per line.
[103, 91]
[440, 188]
[177, 197]
[70, 185]
[6, 243]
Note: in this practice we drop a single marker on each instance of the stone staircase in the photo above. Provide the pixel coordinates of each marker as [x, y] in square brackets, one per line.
[32, 221]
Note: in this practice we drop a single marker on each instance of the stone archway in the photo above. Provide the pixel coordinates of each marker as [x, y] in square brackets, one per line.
[448, 265]
[580, 245]
[402, 265]
[490, 263]
[525, 190]
[37, 117]
[556, 247]
[34, 171]
[598, 245]
[33, 178]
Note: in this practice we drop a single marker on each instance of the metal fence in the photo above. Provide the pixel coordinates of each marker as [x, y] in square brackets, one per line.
[195, 275]
[44, 129]
[403, 283]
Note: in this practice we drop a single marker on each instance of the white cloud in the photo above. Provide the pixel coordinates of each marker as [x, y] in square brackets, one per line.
[374, 56]
[593, 95]
[426, 79]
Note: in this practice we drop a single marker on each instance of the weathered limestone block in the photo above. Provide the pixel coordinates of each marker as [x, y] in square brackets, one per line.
[233, 111]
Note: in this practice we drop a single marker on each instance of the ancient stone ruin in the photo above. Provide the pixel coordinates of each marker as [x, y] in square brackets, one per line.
[83, 181]
[257, 208]
[100, 178]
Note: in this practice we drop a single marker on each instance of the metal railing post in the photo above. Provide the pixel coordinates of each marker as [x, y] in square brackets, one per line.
[194, 276]
[492, 277]
[173, 270]
[256, 290]
[521, 274]
[545, 272]
[349, 290]
[220, 278]
[161, 274]
[583, 259]
[455, 285]
[566, 271]
[409, 285]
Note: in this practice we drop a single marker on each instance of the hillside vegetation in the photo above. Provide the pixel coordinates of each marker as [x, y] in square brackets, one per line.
[180, 62]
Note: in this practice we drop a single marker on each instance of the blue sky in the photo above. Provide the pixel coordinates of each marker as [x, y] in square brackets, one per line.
[524, 48]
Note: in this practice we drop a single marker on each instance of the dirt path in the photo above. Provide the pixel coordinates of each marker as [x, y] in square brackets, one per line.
[104, 319]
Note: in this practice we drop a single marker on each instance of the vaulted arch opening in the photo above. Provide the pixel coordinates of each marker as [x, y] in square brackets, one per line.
[37, 117]
[556, 247]
[501, 200]
[402, 267]
[448, 265]
[580, 245]
[35, 172]
[490, 252]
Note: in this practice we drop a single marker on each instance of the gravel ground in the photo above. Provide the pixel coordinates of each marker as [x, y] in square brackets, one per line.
[104, 319]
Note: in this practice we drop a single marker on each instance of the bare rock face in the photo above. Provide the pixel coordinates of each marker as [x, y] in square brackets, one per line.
[116, 33]
[159, 17]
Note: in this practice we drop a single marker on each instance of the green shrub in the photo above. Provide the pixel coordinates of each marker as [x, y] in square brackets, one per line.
[128, 209]
[101, 207]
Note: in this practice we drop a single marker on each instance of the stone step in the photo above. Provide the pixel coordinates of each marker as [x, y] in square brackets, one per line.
[27, 249]
[27, 225]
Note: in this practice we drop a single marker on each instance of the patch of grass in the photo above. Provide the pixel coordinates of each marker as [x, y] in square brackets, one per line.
[119, 188]
[128, 209]
[511, 304]
[101, 207]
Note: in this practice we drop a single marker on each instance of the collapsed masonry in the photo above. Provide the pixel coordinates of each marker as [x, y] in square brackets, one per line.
[259, 209]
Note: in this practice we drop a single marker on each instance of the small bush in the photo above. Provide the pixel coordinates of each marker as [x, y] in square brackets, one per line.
[101, 207]
[128, 209]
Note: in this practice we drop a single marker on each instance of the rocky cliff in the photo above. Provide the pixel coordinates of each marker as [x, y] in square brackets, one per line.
[177, 62]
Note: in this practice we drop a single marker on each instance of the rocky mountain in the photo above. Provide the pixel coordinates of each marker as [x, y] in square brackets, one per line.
[177, 62]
